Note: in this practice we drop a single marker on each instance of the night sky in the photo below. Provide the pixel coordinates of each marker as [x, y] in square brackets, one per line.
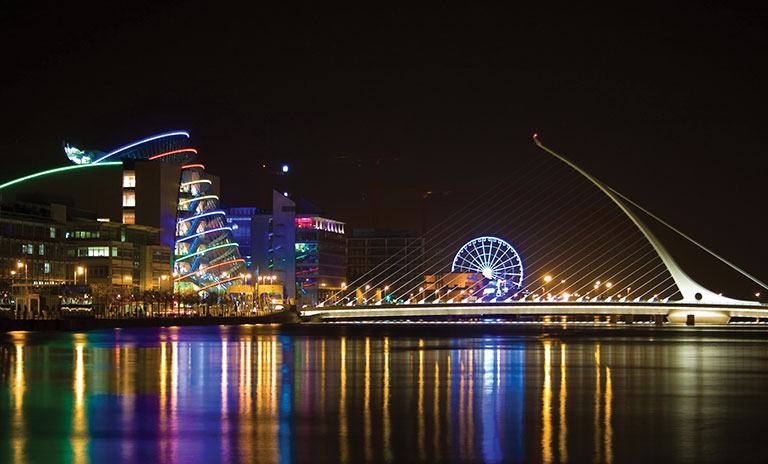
[372, 108]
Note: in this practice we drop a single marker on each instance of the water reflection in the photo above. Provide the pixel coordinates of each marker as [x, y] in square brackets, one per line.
[563, 435]
[546, 407]
[387, 426]
[18, 403]
[79, 437]
[253, 394]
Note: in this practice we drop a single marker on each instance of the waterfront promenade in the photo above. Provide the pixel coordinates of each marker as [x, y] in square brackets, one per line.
[91, 323]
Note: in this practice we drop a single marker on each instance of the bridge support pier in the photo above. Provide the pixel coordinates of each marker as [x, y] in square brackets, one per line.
[700, 316]
[614, 319]
[658, 320]
[629, 319]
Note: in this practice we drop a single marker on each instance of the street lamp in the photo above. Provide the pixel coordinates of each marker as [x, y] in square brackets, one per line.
[80, 270]
[19, 265]
[547, 279]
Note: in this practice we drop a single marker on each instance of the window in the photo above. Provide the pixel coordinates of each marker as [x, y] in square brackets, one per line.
[53, 232]
[306, 247]
[93, 251]
[129, 179]
[42, 249]
[114, 251]
[47, 268]
[129, 199]
[129, 217]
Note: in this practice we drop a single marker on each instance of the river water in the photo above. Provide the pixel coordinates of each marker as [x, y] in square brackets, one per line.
[260, 393]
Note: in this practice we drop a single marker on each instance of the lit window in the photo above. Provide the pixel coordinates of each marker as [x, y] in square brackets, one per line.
[53, 232]
[129, 217]
[42, 249]
[93, 251]
[129, 179]
[129, 200]
[47, 268]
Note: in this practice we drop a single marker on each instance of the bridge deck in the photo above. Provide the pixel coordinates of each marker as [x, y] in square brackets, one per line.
[528, 308]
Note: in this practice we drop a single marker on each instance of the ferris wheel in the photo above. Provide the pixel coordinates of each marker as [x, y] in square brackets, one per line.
[492, 257]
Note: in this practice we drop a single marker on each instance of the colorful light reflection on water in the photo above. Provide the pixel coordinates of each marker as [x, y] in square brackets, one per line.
[244, 394]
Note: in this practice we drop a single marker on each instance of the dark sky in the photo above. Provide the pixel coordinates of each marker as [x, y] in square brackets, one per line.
[373, 107]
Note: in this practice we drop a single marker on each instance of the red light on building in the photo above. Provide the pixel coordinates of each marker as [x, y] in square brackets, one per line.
[303, 223]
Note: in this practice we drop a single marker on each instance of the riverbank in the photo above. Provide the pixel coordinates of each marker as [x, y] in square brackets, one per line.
[80, 324]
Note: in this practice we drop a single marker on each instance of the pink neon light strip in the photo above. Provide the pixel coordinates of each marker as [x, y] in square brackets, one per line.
[209, 267]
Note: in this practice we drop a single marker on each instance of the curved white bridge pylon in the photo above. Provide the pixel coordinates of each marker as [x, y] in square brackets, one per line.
[691, 291]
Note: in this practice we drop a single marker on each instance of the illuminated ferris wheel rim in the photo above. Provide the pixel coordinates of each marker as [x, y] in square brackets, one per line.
[492, 257]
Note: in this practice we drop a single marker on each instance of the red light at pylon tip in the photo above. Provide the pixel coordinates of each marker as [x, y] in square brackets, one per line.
[535, 134]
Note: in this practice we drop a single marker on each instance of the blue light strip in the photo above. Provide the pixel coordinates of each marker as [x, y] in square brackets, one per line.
[192, 218]
[149, 139]
[202, 233]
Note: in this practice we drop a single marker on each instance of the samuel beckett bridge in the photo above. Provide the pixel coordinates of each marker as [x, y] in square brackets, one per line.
[553, 245]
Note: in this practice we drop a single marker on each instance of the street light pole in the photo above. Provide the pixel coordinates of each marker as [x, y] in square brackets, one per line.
[27, 301]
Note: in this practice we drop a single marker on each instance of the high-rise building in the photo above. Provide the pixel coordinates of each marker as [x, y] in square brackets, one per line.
[321, 258]
[267, 237]
[305, 251]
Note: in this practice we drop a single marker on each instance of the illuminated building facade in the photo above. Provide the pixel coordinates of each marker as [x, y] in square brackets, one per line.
[33, 253]
[153, 182]
[46, 247]
[321, 258]
[305, 251]
[206, 254]
[268, 238]
[127, 256]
